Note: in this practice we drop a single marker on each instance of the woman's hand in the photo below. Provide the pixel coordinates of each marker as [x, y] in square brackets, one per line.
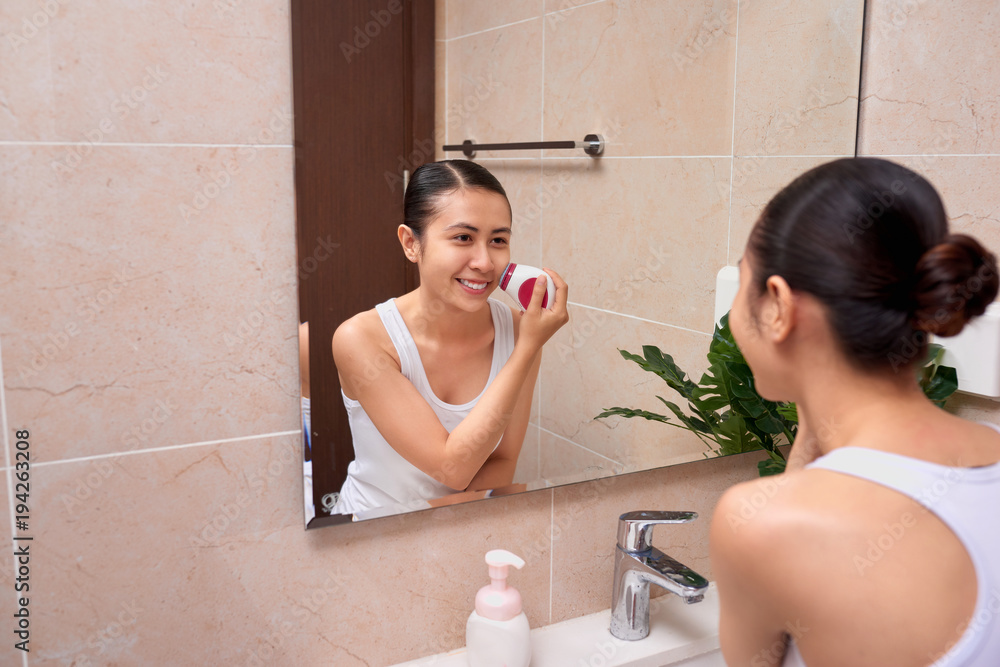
[805, 449]
[537, 323]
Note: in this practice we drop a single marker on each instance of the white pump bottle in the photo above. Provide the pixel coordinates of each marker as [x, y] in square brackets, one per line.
[497, 633]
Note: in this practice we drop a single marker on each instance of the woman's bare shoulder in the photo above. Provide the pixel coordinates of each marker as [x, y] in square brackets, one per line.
[364, 332]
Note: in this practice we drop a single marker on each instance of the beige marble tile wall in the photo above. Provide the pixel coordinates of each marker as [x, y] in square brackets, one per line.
[931, 101]
[705, 120]
[148, 342]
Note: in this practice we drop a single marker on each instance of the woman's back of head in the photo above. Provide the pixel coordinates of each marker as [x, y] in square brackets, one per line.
[869, 239]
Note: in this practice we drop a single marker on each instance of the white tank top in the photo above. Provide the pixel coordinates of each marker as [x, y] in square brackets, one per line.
[967, 500]
[378, 476]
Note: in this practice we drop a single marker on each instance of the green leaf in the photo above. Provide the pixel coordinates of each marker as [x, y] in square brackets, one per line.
[769, 467]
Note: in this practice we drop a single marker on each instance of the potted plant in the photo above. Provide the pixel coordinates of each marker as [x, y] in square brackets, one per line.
[728, 414]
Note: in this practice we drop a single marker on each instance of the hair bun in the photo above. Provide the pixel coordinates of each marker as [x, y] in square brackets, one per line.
[955, 281]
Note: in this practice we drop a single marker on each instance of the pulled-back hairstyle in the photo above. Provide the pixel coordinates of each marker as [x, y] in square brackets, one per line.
[433, 180]
[869, 239]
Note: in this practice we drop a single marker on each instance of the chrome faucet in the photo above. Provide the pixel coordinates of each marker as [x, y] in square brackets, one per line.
[638, 564]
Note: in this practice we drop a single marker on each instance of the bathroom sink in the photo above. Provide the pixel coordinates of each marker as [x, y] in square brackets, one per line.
[680, 635]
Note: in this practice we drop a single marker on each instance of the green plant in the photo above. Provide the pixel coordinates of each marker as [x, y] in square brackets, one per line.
[728, 414]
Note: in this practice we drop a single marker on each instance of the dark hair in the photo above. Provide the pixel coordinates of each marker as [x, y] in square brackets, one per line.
[433, 180]
[869, 239]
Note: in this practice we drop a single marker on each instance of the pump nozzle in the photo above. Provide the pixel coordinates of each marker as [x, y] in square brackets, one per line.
[497, 601]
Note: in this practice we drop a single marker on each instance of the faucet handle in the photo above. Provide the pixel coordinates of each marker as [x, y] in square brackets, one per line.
[635, 529]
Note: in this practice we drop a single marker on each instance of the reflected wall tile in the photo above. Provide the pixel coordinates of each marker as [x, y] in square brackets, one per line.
[441, 18]
[465, 16]
[195, 72]
[26, 101]
[561, 460]
[930, 81]
[495, 87]
[528, 461]
[521, 180]
[755, 181]
[656, 76]
[586, 516]
[968, 187]
[808, 108]
[440, 99]
[584, 374]
[146, 304]
[644, 237]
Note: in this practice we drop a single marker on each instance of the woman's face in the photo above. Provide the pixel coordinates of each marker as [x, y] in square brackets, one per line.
[746, 328]
[466, 247]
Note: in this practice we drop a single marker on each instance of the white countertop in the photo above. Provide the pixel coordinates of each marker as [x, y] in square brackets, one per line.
[677, 631]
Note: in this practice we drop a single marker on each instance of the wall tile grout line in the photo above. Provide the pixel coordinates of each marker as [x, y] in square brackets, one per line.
[732, 144]
[9, 474]
[499, 27]
[168, 448]
[138, 144]
[576, 444]
[636, 317]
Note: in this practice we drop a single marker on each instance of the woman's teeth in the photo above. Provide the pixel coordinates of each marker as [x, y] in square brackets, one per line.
[472, 285]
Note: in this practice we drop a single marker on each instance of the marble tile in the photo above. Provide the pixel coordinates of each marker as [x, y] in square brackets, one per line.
[562, 460]
[467, 16]
[200, 556]
[26, 98]
[755, 181]
[585, 523]
[584, 374]
[967, 185]
[198, 73]
[440, 99]
[150, 295]
[522, 181]
[656, 75]
[495, 87]
[644, 237]
[808, 109]
[441, 19]
[528, 461]
[927, 90]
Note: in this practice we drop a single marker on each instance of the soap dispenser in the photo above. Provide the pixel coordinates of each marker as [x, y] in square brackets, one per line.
[497, 633]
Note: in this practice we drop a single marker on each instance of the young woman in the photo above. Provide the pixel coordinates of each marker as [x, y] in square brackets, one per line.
[438, 382]
[881, 543]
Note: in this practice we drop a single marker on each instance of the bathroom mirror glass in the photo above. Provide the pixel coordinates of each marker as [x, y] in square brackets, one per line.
[706, 111]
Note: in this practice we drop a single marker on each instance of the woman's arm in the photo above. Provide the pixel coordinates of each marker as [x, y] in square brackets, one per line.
[409, 424]
[498, 471]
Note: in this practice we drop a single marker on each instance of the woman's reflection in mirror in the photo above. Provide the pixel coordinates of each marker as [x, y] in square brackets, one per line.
[438, 382]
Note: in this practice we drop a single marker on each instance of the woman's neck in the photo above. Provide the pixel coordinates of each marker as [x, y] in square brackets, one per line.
[845, 407]
[431, 318]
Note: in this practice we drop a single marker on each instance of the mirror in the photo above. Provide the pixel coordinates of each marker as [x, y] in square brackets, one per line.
[705, 113]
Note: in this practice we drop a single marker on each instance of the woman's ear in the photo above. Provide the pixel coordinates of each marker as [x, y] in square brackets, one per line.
[778, 314]
[411, 247]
